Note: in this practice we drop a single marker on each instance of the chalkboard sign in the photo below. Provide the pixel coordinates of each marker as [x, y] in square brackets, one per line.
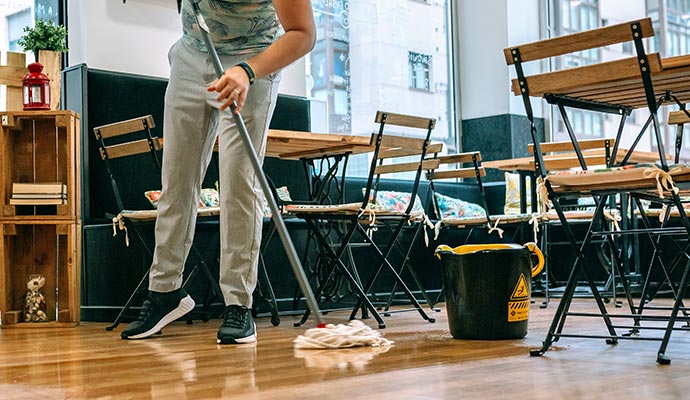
[47, 10]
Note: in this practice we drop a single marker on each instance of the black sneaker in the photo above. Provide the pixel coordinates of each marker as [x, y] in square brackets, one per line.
[159, 310]
[238, 326]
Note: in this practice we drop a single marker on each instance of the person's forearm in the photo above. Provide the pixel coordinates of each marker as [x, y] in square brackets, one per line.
[283, 52]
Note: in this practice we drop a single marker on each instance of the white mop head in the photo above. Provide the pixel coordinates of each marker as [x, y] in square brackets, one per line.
[354, 334]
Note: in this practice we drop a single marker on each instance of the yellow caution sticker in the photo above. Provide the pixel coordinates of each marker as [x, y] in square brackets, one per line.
[521, 291]
[518, 310]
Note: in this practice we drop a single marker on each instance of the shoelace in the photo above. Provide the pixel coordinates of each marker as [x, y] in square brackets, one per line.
[145, 310]
[235, 317]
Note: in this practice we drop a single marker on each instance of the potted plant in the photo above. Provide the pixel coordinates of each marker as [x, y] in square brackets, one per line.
[44, 36]
[46, 41]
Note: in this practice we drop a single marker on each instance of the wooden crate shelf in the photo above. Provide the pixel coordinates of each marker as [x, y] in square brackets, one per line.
[48, 248]
[40, 146]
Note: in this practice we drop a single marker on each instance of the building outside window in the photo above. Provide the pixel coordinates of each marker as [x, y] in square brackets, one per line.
[374, 55]
[673, 17]
[570, 17]
[419, 66]
[17, 14]
[671, 22]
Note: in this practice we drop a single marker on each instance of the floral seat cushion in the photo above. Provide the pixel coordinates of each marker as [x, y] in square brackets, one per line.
[452, 208]
[397, 202]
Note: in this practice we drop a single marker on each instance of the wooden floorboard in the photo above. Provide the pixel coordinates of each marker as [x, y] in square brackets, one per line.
[87, 362]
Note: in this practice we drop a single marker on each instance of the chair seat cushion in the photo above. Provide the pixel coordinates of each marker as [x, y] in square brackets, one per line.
[387, 203]
[350, 209]
[208, 197]
[596, 177]
[324, 208]
[512, 202]
[392, 201]
[450, 207]
[150, 215]
[512, 218]
[465, 221]
[551, 215]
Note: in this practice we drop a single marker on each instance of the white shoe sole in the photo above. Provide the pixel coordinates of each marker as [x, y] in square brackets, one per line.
[186, 305]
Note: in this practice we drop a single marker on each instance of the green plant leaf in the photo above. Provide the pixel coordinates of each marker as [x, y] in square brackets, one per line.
[44, 36]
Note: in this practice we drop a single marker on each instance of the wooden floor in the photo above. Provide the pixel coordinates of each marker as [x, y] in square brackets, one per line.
[87, 362]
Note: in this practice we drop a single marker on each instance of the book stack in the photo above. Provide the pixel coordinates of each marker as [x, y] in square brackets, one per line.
[39, 193]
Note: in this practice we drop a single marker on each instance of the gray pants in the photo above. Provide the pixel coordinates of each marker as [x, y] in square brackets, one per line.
[192, 123]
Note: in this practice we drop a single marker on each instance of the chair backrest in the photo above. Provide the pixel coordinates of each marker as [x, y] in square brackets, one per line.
[614, 87]
[601, 73]
[562, 155]
[127, 138]
[392, 153]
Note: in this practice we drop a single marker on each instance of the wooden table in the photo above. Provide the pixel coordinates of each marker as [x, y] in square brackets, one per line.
[295, 145]
[569, 160]
[312, 148]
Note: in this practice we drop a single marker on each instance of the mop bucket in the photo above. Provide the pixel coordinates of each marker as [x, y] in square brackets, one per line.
[487, 288]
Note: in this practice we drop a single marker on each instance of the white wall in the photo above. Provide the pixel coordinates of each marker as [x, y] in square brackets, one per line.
[135, 38]
[486, 28]
[483, 74]
[524, 26]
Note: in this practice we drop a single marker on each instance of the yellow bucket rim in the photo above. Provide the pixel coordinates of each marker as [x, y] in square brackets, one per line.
[471, 248]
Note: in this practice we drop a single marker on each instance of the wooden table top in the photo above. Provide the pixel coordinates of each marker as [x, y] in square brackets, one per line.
[295, 145]
[569, 160]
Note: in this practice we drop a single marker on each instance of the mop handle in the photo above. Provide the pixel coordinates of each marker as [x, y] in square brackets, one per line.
[276, 215]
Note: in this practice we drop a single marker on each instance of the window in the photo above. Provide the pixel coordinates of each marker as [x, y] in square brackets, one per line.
[17, 14]
[674, 41]
[627, 47]
[575, 16]
[377, 55]
[419, 65]
[20, 13]
[15, 28]
[678, 29]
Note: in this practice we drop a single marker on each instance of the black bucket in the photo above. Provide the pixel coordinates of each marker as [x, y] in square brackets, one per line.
[487, 289]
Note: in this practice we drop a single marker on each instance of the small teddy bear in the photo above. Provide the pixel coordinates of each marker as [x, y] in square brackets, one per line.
[35, 308]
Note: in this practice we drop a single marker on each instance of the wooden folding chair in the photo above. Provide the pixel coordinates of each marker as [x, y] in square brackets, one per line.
[613, 87]
[469, 167]
[561, 156]
[118, 143]
[337, 226]
[467, 215]
[665, 216]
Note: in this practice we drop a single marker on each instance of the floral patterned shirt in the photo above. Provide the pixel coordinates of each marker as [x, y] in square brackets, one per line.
[236, 26]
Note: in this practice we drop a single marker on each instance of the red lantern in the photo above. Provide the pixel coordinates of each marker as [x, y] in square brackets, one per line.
[36, 88]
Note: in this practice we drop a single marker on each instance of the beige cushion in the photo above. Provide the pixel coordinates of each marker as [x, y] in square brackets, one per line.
[512, 202]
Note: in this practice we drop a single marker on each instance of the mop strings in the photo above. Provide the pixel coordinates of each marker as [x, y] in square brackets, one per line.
[354, 334]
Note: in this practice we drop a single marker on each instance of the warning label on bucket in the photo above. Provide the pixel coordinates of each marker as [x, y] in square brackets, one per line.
[518, 310]
[520, 292]
[518, 307]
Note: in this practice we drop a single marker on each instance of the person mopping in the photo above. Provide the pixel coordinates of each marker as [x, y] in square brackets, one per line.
[255, 39]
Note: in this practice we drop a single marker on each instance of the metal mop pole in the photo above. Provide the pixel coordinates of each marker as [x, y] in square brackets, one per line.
[276, 216]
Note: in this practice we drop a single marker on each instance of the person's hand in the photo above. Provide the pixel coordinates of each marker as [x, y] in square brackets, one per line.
[231, 87]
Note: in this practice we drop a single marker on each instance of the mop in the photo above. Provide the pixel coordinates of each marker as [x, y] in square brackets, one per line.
[324, 336]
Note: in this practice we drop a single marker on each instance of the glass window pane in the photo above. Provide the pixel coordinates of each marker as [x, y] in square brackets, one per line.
[361, 50]
[565, 13]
